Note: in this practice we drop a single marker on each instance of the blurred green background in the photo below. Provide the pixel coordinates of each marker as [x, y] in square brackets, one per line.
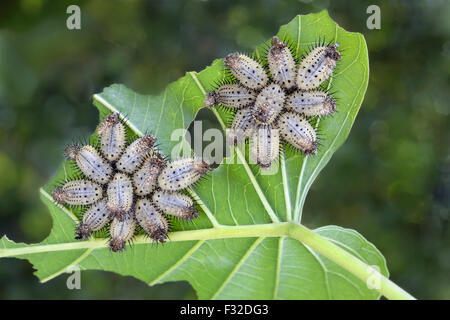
[389, 181]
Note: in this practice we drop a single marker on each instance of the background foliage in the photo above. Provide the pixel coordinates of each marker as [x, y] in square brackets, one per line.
[390, 180]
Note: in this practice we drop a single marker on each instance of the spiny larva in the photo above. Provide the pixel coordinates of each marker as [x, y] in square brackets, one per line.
[90, 162]
[317, 66]
[135, 154]
[265, 146]
[112, 137]
[182, 173]
[311, 103]
[248, 71]
[151, 220]
[119, 183]
[175, 204]
[121, 232]
[243, 125]
[95, 218]
[269, 104]
[289, 91]
[297, 131]
[282, 65]
[231, 95]
[120, 195]
[145, 179]
[78, 193]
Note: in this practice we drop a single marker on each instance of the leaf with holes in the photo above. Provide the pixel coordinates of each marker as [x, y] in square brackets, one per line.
[248, 242]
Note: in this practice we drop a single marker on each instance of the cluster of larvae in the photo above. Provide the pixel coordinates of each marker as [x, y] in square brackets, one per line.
[128, 185]
[278, 104]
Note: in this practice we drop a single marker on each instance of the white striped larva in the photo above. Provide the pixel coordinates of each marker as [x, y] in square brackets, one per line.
[78, 193]
[151, 220]
[297, 131]
[243, 126]
[175, 204]
[265, 146]
[311, 103]
[135, 154]
[95, 218]
[182, 173]
[269, 104]
[248, 71]
[90, 162]
[317, 66]
[121, 231]
[112, 137]
[120, 195]
[282, 65]
[231, 95]
[145, 179]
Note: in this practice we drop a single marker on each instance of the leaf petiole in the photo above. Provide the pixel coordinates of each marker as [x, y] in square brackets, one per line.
[283, 229]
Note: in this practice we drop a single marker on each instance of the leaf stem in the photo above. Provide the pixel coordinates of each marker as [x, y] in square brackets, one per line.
[241, 157]
[347, 261]
[287, 198]
[289, 229]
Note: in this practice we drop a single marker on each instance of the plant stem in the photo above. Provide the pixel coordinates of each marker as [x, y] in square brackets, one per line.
[296, 231]
[347, 261]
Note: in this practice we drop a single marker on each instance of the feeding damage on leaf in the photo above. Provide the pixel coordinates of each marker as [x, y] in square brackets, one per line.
[128, 186]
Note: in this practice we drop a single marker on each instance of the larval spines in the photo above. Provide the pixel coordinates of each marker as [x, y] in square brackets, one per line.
[182, 173]
[175, 204]
[145, 179]
[296, 85]
[112, 137]
[94, 219]
[78, 193]
[243, 126]
[121, 231]
[317, 66]
[231, 95]
[282, 65]
[135, 154]
[298, 132]
[122, 187]
[265, 146]
[247, 71]
[269, 104]
[90, 162]
[311, 103]
[120, 195]
[151, 220]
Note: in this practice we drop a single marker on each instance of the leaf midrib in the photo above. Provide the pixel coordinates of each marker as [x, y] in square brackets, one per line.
[302, 192]
[241, 157]
[314, 173]
[222, 232]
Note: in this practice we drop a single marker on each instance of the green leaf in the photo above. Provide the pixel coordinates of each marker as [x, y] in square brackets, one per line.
[245, 245]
